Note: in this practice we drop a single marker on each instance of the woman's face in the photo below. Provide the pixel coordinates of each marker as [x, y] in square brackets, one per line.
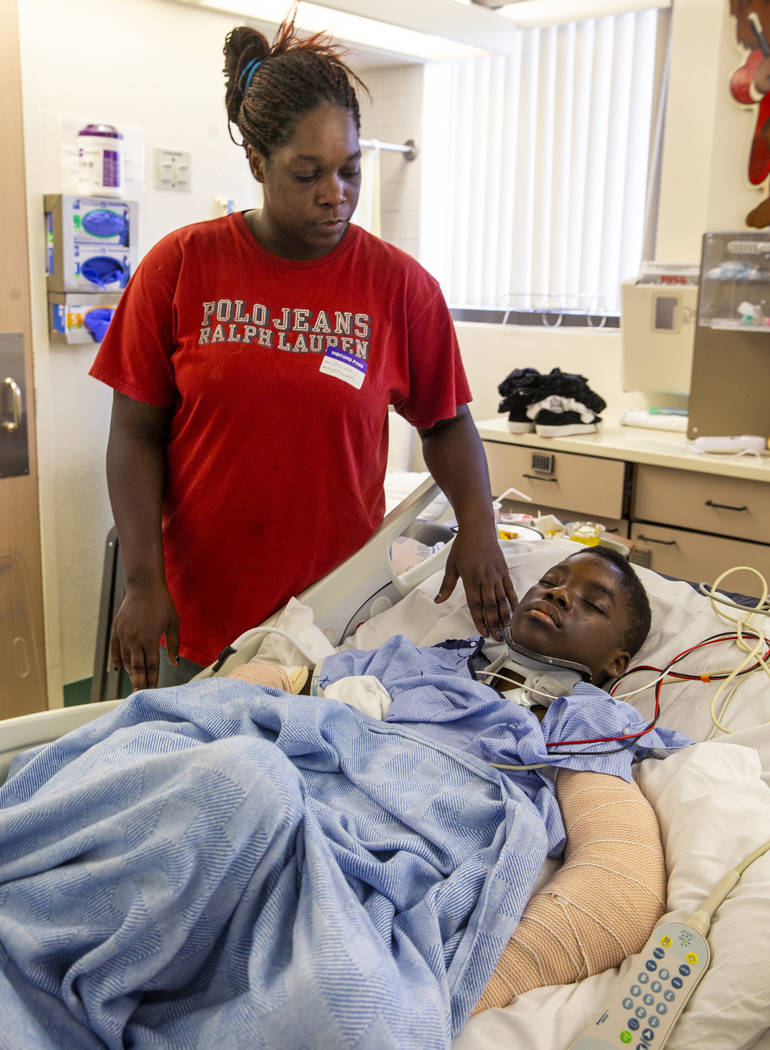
[310, 185]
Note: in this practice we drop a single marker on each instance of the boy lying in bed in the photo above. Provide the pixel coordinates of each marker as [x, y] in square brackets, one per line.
[221, 864]
[589, 609]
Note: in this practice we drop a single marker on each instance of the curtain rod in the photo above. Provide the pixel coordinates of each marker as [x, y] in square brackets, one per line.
[409, 149]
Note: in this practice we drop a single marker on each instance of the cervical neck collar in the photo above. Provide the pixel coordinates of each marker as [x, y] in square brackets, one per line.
[545, 677]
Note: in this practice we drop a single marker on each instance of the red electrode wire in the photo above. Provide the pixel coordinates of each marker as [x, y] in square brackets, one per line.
[667, 672]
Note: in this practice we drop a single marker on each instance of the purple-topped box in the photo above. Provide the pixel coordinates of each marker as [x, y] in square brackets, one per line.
[100, 159]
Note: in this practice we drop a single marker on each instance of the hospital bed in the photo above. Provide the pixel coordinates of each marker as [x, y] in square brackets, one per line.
[712, 800]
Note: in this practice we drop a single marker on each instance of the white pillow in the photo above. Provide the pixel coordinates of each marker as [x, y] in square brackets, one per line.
[714, 809]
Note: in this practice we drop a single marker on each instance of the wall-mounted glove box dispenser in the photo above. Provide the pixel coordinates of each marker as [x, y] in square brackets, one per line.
[657, 324]
[79, 317]
[91, 243]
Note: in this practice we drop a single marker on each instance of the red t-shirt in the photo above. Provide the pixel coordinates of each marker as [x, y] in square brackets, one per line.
[279, 373]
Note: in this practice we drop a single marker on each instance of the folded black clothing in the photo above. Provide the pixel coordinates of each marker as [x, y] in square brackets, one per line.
[573, 385]
[518, 389]
[528, 386]
[518, 381]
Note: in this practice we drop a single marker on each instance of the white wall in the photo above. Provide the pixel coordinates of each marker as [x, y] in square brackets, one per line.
[160, 67]
[394, 114]
[490, 353]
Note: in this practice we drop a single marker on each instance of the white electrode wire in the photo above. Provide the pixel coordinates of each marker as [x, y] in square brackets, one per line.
[501, 765]
[701, 919]
[754, 651]
[550, 696]
[763, 608]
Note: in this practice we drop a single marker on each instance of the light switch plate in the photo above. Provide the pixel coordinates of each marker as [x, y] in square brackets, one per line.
[171, 169]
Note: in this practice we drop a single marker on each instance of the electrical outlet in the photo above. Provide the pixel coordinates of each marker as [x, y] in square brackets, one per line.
[171, 169]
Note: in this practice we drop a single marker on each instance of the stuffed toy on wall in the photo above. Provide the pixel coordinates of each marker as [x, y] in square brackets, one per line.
[750, 85]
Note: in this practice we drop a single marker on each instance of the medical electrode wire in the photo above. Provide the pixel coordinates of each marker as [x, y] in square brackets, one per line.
[743, 632]
[630, 737]
[740, 622]
[541, 692]
[664, 675]
[702, 916]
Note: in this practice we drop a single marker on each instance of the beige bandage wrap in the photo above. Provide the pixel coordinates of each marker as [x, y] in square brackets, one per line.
[290, 679]
[601, 905]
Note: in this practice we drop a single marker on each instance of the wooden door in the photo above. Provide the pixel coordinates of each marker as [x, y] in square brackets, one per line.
[22, 651]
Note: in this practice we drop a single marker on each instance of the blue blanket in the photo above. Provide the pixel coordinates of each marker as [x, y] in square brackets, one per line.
[224, 865]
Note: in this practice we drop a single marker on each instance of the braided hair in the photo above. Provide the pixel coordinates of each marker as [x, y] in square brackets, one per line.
[271, 87]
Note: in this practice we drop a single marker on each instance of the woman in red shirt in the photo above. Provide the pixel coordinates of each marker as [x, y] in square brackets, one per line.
[254, 358]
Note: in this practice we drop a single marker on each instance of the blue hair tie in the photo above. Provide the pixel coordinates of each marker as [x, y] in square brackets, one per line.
[248, 74]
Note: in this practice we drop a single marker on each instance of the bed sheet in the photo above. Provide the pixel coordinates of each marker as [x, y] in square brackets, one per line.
[712, 801]
[226, 865]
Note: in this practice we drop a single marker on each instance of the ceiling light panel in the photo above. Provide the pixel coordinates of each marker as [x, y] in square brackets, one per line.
[437, 29]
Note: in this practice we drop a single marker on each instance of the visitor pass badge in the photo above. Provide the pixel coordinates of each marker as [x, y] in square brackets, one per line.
[344, 366]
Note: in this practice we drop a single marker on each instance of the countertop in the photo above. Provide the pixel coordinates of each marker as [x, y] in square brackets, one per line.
[660, 448]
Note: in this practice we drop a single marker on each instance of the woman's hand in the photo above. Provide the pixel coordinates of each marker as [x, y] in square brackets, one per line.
[455, 457]
[476, 559]
[136, 470]
[145, 614]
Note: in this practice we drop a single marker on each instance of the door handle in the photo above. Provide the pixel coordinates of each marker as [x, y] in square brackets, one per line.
[652, 539]
[723, 506]
[536, 477]
[13, 423]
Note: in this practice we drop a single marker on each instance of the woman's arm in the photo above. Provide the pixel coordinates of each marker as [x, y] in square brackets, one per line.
[136, 470]
[455, 457]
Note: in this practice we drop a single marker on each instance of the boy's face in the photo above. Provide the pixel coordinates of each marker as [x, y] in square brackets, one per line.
[577, 611]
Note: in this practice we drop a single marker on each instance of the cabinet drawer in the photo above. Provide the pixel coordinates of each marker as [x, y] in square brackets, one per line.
[724, 505]
[698, 557]
[586, 484]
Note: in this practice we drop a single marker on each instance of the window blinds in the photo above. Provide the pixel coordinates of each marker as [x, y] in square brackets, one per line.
[535, 166]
